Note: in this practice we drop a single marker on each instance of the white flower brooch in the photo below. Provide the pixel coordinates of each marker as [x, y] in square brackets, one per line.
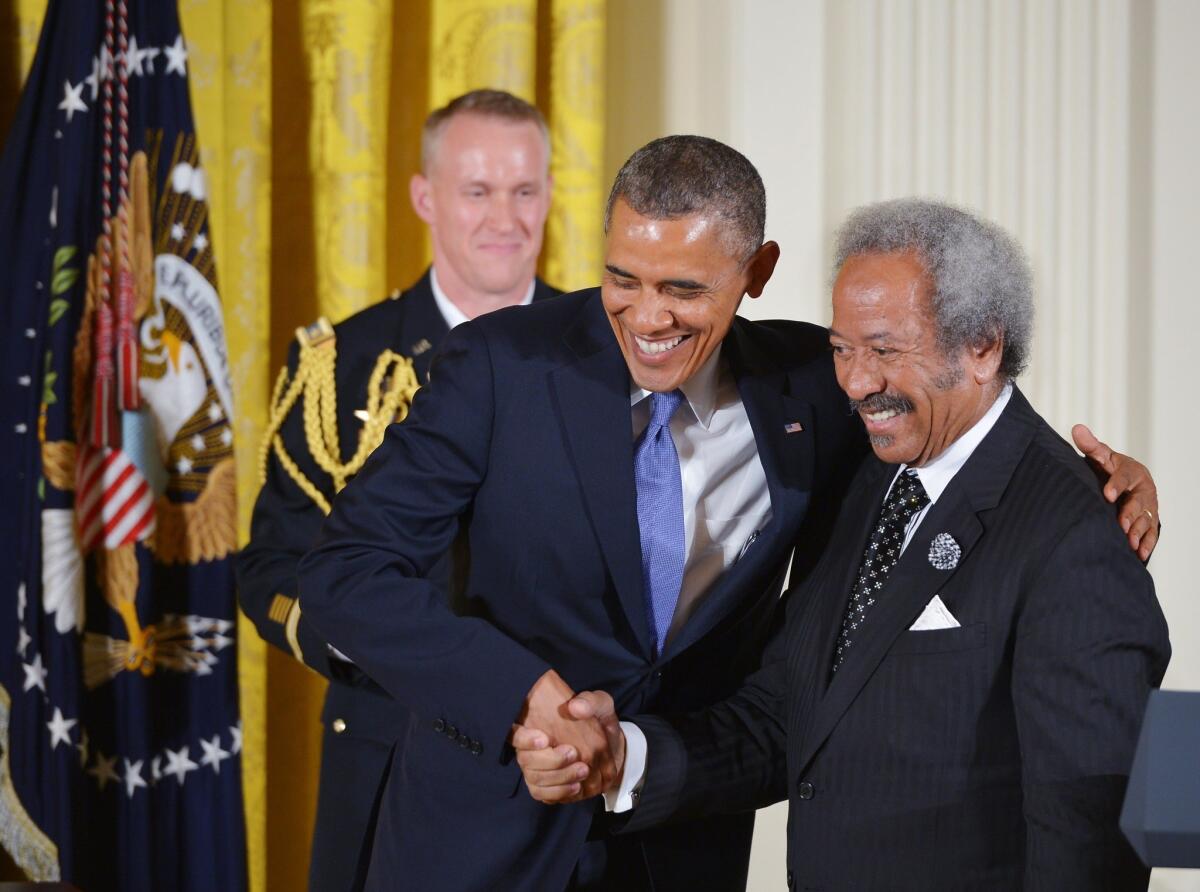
[944, 552]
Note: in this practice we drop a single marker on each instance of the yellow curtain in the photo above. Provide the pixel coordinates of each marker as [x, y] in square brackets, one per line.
[308, 114]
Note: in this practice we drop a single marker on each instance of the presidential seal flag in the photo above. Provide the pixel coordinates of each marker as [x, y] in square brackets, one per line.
[120, 739]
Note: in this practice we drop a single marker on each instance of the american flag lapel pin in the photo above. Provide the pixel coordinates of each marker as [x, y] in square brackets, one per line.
[794, 428]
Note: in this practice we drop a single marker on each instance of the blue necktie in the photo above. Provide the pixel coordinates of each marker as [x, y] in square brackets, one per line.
[660, 514]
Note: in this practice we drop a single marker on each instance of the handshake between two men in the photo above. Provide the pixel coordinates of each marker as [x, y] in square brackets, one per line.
[570, 746]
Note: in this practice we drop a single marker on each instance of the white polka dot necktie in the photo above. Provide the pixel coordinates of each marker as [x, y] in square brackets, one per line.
[905, 499]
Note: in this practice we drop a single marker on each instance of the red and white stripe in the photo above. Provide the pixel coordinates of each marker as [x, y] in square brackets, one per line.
[113, 502]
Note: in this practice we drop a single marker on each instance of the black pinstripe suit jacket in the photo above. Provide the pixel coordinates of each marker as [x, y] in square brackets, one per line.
[990, 756]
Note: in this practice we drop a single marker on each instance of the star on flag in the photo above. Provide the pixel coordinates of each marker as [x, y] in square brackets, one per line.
[72, 100]
[35, 674]
[213, 754]
[176, 57]
[133, 776]
[179, 764]
[104, 770]
[60, 729]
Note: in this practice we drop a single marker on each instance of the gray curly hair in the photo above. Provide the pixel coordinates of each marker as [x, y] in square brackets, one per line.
[982, 284]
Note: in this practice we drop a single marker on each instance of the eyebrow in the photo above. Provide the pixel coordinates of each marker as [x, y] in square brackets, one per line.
[875, 336]
[681, 284]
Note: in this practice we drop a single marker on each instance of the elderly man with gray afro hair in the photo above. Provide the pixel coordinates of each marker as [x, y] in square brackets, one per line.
[982, 284]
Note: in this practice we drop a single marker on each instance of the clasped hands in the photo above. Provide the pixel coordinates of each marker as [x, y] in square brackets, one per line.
[570, 747]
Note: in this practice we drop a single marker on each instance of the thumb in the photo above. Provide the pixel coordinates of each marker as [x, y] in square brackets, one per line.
[594, 704]
[1089, 445]
[591, 704]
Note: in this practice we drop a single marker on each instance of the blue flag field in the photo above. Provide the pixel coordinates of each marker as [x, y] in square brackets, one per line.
[120, 740]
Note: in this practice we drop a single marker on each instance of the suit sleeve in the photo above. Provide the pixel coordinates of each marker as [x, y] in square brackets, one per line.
[1091, 643]
[366, 585]
[284, 525]
[728, 758]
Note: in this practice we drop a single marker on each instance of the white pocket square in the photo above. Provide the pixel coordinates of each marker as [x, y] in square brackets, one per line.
[935, 616]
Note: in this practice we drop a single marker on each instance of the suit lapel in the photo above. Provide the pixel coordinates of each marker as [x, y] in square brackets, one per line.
[787, 459]
[975, 489]
[862, 514]
[423, 327]
[591, 395]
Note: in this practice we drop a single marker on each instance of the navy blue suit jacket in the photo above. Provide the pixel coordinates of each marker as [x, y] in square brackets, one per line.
[523, 437]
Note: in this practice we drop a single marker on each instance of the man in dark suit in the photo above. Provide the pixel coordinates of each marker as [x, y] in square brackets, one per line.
[631, 466]
[956, 695]
[525, 438]
[484, 190]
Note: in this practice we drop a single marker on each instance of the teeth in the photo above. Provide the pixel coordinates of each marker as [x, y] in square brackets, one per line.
[653, 347]
[882, 416]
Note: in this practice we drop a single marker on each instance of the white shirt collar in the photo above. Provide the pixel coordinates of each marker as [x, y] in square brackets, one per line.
[450, 311]
[700, 390]
[937, 474]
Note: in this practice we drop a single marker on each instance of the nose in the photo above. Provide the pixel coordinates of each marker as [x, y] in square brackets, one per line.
[859, 375]
[650, 312]
[501, 212]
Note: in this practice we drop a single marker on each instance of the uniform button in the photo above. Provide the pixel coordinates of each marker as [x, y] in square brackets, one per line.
[439, 726]
[464, 742]
[451, 732]
[339, 725]
[791, 880]
[805, 790]
[476, 747]
[657, 673]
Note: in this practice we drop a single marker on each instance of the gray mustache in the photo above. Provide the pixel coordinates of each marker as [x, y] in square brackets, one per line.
[882, 402]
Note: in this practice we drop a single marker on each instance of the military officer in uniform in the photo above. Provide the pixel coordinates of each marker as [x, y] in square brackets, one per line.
[484, 191]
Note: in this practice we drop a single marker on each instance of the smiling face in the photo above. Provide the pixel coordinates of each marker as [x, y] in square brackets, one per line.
[913, 397]
[485, 198]
[671, 289]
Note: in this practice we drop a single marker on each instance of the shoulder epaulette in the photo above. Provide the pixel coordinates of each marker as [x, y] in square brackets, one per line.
[390, 390]
[316, 334]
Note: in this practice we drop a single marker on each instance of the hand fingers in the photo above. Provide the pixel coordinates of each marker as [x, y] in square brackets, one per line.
[591, 704]
[1120, 482]
[572, 775]
[547, 759]
[529, 738]
[1087, 443]
[1148, 543]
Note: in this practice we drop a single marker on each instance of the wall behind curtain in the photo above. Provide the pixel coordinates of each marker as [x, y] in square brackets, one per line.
[308, 114]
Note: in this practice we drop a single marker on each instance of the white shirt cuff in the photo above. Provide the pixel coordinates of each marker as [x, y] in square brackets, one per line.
[624, 798]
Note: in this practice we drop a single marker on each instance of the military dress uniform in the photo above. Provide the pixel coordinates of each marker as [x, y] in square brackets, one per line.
[342, 386]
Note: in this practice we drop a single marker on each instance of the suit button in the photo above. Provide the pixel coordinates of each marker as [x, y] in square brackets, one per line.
[805, 789]
[339, 725]
[451, 732]
[439, 726]
[465, 742]
[791, 880]
[476, 747]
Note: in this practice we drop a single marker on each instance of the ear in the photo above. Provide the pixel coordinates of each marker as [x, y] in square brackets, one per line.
[985, 358]
[761, 267]
[420, 192]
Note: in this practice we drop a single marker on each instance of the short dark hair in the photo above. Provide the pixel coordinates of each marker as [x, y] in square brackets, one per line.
[678, 176]
[982, 283]
[488, 103]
